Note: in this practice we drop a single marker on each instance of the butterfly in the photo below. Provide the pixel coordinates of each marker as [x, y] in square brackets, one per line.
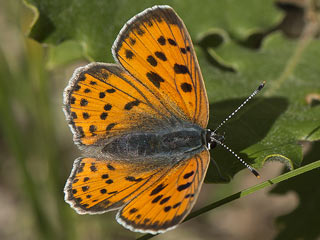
[141, 124]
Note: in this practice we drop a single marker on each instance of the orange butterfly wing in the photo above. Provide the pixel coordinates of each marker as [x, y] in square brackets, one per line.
[97, 186]
[168, 201]
[102, 100]
[152, 199]
[155, 48]
[160, 86]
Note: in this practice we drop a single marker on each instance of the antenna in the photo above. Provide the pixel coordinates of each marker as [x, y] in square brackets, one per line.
[213, 134]
[244, 103]
[239, 158]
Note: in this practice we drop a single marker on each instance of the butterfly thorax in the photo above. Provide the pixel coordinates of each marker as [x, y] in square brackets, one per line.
[174, 143]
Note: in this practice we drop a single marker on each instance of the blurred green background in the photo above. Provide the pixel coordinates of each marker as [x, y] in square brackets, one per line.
[36, 145]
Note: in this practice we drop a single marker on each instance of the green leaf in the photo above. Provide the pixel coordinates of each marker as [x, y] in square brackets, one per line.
[64, 53]
[301, 222]
[95, 24]
[270, 126]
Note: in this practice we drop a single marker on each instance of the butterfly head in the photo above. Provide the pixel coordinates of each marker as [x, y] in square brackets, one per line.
[212, 139]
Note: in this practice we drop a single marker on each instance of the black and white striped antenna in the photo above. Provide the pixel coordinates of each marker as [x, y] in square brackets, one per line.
[244, 103]
[213, 134]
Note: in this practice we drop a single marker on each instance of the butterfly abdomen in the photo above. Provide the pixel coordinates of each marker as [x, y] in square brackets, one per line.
[157, 144]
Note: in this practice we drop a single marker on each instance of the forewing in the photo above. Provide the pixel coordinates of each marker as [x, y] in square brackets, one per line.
[102, 100]
[155, 48]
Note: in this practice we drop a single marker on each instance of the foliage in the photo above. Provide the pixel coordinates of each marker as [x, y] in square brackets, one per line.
[238, 47]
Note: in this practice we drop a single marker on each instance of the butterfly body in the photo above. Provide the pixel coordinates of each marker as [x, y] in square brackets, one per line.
[142, 124]
[164, 144]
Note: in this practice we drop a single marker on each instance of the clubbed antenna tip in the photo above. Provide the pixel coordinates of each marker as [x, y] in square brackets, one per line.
[255, 173]
[261, 85]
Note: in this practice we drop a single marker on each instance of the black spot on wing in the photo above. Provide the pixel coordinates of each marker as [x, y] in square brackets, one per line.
[161, 56]
[157, 198]
[164, 200]
[167, 208]
[183, 50]
[93, 168]
[189, 196]
[83, 102]
[107, 107]
[186, 87]
[187, 175]
[72, 100]
[113, 192]
[155, 78]
[105, 176]
[85, 188]
[111, 90]
[110, 126]
[74, 115]
[133, 210]
[87, 90]
[92, 128]
[153, 62]
[184, 186]
[132, 41]
[75, 180]
[161, 40]
[158, 189]
[109, 181]
[80, 131]
[103, 116]
[180, 69]
[133, 179]
[102, 95]
[85, 115]
[129, 54]
[176, 205]
[103, 191]
[132, 104]
[172, 42]
[86, 179]
[110, 167]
